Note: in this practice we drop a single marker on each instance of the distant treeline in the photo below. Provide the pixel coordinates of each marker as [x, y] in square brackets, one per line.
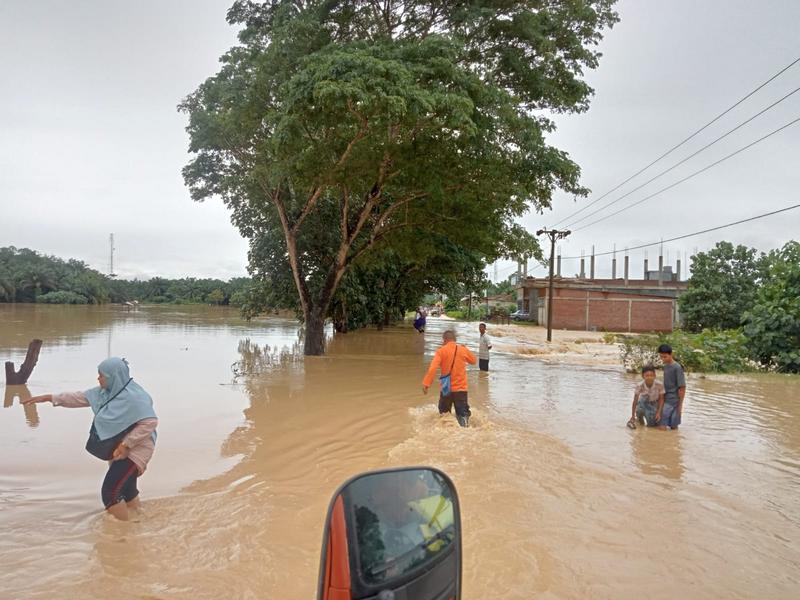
[27, 276]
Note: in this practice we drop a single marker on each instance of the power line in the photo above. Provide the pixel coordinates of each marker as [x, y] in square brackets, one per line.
[678, 145]
[688, 235]
[514, 267]
[679, 163]
[706, 168]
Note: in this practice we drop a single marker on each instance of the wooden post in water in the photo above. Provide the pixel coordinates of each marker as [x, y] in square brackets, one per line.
[26, 368]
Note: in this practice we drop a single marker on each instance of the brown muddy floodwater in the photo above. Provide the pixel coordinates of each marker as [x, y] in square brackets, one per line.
[559, 499]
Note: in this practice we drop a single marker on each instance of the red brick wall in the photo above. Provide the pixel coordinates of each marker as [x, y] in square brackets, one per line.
[609, 311]
[611, 315]
[652, 315]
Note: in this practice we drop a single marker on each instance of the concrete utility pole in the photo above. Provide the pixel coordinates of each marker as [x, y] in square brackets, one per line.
[111, 256]
[553, 234]
[614, 264]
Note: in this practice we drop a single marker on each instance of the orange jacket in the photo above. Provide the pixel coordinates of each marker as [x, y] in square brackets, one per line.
[444, 358]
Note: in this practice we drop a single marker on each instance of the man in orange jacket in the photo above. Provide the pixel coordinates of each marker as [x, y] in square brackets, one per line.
[452, 360]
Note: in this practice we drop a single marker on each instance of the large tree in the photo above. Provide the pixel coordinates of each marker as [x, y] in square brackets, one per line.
[772, 325]
[722, 287]
[333, 125]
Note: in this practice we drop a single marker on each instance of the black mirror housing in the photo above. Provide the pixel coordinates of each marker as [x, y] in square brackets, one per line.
[393, 533]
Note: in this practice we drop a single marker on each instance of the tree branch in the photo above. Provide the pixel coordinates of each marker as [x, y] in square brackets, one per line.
[345, 223]
[288, 233]
[312, 201]
[377, 238]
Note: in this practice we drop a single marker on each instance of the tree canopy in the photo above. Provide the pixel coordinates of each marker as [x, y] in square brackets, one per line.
[722, 287]
[772, 325]
[335, 129]
[28, 276]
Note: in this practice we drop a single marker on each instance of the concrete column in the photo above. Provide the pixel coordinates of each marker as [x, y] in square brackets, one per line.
[678, 269]
[558, 265]
[627, 264]
[660, 269]
[630, 311]
[587, 312]
[583, 270]
[591, 265]
[645, 268]
[613, 268]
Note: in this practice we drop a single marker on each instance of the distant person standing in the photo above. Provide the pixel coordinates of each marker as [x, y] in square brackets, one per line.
[484, 346]
[451, 359]
[669, 414]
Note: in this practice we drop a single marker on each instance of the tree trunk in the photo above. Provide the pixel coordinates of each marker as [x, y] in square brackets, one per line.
[344, 328]
[314, 343]
[26, 368]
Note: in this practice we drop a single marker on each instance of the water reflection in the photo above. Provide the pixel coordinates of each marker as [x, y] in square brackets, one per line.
[256, 359]
[658, 452]
[56, 325]
[23, 393]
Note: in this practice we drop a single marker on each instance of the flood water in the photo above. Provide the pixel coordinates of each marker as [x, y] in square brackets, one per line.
[559, 499]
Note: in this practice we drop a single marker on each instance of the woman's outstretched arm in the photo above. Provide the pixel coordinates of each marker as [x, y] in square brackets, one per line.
[67, 399]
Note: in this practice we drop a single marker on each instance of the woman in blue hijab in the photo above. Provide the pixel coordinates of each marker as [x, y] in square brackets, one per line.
[124, 422]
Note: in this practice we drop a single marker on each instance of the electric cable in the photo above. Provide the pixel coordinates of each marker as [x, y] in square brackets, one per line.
[679, 144]
[688, 235]
[679, 163]
[704, 169]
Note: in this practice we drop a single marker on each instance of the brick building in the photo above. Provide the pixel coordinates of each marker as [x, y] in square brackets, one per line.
[603, 304]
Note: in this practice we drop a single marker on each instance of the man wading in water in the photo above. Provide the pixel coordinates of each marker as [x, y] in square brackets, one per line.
[484, 346]
[452, 360]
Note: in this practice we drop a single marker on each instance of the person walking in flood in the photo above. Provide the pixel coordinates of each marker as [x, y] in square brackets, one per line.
[484, 345]
[451, 360]
[420, 318]
[669, 414]
[123, 431]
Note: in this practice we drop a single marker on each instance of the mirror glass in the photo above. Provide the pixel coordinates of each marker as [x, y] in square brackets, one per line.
[403, 522]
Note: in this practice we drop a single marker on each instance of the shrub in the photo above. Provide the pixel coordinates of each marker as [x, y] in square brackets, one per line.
[610, 338]
[710, 351]
[62, 297]
[451, 304]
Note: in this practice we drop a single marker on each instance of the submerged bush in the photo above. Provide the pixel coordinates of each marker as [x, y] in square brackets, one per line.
[711, 351]
[62, 297]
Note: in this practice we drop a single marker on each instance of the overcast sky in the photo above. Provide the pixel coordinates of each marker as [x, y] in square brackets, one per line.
[91, 142]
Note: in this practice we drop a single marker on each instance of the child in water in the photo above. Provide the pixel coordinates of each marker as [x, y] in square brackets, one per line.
[648, 398]
[122, 409]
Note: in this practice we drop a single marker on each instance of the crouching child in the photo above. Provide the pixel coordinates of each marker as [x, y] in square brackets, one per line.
[648, 398]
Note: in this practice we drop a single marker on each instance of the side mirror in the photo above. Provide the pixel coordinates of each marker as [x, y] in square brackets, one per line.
[392, 534]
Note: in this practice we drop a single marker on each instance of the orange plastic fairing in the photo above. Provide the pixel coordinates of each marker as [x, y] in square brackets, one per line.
[337, 565]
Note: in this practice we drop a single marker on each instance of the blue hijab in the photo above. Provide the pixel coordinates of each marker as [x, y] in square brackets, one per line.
[131, 404]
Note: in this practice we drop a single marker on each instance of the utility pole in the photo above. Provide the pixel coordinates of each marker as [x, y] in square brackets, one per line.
[553, 234]
[111, 256]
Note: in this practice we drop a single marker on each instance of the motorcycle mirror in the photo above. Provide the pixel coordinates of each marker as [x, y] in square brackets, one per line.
[393, 534]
